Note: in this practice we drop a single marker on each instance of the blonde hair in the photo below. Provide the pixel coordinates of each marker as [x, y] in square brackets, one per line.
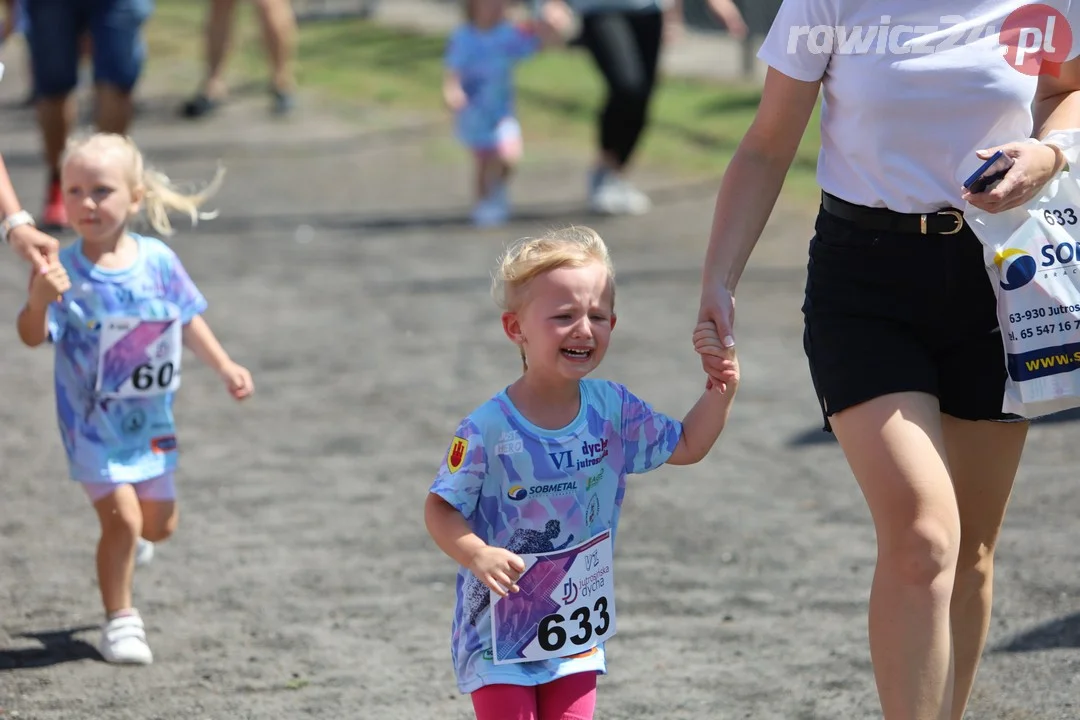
[160, 195]
[528, 258]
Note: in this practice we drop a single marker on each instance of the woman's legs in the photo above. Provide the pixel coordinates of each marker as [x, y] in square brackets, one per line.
[278, 24]
[983, 481]
[218, 37]
[626, 49]
[937, 488]
[896, 449]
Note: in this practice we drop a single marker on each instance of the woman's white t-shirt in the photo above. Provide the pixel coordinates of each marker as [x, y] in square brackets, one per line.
[912, 88]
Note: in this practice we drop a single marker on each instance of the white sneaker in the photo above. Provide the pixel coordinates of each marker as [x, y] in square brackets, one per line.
[144, 552]
[123, 641]
[494, 210]
[613, 195]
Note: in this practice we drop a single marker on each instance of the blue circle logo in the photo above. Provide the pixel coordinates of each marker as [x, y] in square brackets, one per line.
[516, 492]
[1015, 267]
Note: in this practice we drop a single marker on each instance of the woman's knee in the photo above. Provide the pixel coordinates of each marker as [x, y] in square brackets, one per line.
[921, 555]
[974, 566]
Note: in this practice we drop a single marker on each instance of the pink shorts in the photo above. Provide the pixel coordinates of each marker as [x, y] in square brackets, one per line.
[506, 143]
[160, 489]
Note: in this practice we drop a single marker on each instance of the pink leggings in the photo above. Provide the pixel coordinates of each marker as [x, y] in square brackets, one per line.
[569, 698]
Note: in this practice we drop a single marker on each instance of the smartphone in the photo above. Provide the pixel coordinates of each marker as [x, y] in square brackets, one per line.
[991, 171]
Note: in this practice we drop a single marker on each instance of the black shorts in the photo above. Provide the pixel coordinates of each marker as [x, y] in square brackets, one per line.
[893, 312]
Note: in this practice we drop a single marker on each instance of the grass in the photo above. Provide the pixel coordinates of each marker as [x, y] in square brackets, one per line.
[696, 125]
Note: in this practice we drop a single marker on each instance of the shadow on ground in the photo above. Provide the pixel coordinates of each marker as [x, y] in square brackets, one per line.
[57, 647]
[1063, 633]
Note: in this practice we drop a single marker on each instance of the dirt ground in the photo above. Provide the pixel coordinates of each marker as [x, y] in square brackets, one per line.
[302, 583]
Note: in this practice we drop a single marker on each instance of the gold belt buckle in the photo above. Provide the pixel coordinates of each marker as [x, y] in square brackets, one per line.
[956, 216]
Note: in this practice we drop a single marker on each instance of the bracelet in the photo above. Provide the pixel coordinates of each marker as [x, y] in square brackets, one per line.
[13, 221]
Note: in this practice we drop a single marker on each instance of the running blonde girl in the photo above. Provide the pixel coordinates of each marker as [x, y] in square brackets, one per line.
[540, 468]
[118, 308]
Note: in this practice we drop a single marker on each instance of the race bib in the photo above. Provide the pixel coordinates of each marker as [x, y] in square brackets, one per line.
[565, 605]
[1032, 255]
[139, 358]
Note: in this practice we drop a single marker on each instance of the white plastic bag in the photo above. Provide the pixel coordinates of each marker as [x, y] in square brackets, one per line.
[1032, 255]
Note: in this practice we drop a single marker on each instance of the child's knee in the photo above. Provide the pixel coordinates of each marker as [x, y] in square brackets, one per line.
[122, 524]
[160, 520]
[117, 508]
[157, 505]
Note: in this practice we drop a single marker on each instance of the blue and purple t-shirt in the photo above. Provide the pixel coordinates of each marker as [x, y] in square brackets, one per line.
[117, 439]
[532, 490]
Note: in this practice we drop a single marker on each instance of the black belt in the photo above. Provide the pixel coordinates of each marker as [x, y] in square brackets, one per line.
[943, 222]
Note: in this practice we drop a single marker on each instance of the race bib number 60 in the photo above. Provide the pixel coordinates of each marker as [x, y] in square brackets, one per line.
[565, 604]
[139, 358]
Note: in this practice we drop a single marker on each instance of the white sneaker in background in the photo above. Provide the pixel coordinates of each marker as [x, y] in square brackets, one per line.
[144, 552]
[494, 210]
[612, 195]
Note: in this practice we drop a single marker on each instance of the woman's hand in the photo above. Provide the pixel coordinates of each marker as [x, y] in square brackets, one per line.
[717, 307]
[1034, 164]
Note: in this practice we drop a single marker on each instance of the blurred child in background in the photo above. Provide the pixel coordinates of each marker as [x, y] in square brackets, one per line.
[479, 88]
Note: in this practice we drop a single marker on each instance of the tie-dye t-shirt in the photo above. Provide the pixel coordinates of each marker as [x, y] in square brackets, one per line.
[532, 490]
[107, 439]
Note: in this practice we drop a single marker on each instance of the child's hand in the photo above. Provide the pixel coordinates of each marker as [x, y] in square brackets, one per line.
[557, 16]
[48, 287]
[238, 380]
[497, 568]
[454, 97]
[722, 364]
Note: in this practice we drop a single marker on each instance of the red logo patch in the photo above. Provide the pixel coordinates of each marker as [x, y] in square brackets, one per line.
[456, 456]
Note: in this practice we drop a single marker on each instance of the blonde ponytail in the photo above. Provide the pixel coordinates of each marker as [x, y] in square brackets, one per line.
[160, 194]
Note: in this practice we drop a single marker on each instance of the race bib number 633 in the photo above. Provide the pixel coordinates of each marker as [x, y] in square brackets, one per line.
[565, 604]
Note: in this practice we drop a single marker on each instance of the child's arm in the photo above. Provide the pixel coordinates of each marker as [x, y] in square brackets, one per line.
[706, 420]
[702, 426]
[33, 321]
[201, 340]
[453, 94]
[496, 567]
[33, 324]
